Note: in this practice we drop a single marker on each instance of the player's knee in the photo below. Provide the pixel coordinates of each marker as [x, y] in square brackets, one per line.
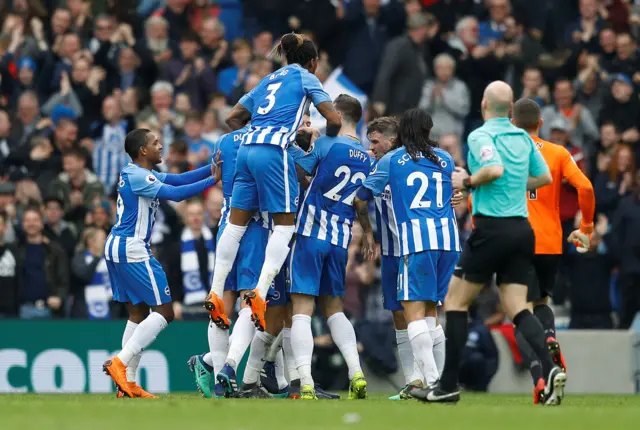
[331, 305]
[166, 310]
[303, 304]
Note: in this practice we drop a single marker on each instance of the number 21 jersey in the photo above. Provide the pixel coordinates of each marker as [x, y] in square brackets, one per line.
[420, 193]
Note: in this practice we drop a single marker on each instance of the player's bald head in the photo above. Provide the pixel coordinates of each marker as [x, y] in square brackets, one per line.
[497, 99]
[526, 114]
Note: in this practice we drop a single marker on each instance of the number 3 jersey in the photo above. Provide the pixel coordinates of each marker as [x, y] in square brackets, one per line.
[339, 166]
[278, 103]
[418, 201]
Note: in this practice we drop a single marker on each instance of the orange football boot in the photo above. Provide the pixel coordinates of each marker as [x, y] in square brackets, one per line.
[138, 392]
[258, 307]
[538, 392]
[215, 306]
[556, 353]
[117, 370]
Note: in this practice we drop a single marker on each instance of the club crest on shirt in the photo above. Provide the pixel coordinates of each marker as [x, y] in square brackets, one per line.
[486, 153]
[151, 179]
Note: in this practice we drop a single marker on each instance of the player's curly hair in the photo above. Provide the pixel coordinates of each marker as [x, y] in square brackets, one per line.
[413, 133]
[296, 48]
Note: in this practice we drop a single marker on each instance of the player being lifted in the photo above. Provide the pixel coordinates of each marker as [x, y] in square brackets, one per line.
[318, 257]
[265, 174]
[137, 279]
[416, 179]
[544, 217]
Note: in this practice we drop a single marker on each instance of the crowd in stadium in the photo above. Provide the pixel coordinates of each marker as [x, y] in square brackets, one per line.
[76, 76]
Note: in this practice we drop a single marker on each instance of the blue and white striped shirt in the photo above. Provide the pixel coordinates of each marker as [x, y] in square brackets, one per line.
[278, 103]
[416, 196]
[339, 166]
[109, 157]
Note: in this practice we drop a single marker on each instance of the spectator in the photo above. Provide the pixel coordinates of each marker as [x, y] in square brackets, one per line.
[627, 61]
[76, 186]
[177, 156]
[615, 183]
[368, 26]
[56, 228]
[236, 74]
[155, 49]
[176, 13]
[60, 25]
[623, 109]
[213, 205]
[583, 128]
[607, 48]
[585, 30]
[92, 289]
[43, 271]
[100, 216]
[109, 157]
[27, 118]
[534, 87]
[200, 150]
[189, 74]
[262, 44]
[65, 97]
[69, 46]
[103, 30]
[160, 114]
[477, 65]
[8, 273]
[81, 21]
[8, 207]
[85, 84]
[493, 29]
[5, 136]
[590, 89]
[446, 98]
[451, 144]
[214, 49]
[609, 138]
[403, 70]
[192, 277]
[624, 239]
[128, 74]
[210, 126]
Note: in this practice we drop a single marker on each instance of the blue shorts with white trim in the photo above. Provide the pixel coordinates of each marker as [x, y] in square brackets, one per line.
[265, 180]
[246, 269]
[143, 282]
[389, 267]
[316, 267]
[425, 276]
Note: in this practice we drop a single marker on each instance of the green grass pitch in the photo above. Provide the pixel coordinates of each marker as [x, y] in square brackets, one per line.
[189, 412]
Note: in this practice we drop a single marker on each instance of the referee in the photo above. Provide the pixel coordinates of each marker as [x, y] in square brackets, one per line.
[504, 163]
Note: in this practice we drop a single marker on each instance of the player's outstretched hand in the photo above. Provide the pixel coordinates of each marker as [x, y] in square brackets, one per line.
[369, 249]
[216, 167]
[457, 178]
[580, 240]
[457, 199]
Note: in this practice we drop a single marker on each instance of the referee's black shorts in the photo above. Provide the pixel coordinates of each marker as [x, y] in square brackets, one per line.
[504, 246]
[544, 276]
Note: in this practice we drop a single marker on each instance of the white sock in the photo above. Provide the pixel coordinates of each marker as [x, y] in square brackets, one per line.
[282, 381]
[302, 345]
[276, 347]
[261, 343]
[142, 337]
[207, 358]
[218, 346]
[133, 363]
[292, 368]
[431, 322]
[423, 350]
[226, 251]
[344, 337]
[243, 332]
[438, 337]
[407, 362]
[275, 256]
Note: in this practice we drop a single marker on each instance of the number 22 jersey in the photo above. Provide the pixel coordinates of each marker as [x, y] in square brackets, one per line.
[418, 195]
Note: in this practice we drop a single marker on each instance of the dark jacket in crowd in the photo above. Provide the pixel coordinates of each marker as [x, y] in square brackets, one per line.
[401, 76]
[624, 237]
[56, 268]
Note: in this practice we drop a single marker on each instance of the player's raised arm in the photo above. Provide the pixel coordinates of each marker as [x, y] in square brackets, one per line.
[334, 121]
